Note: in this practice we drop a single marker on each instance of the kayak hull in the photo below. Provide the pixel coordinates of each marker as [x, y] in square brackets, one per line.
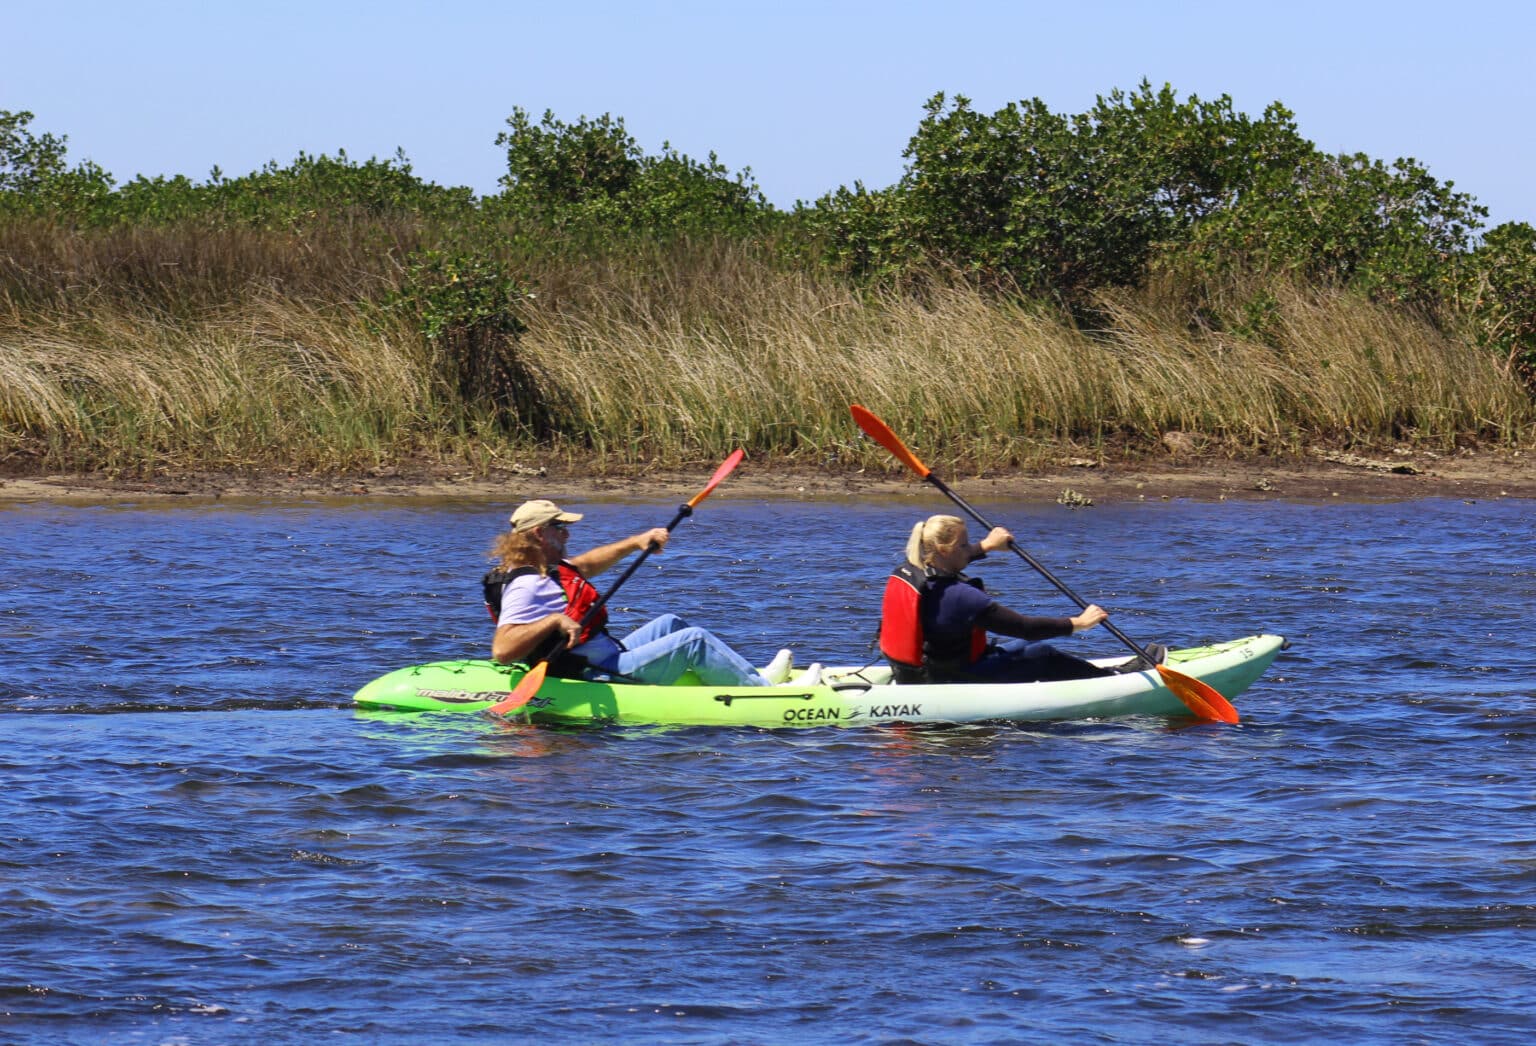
[857, 696]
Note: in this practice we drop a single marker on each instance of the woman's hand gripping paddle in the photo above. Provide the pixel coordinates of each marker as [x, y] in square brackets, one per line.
[1204, 700]
[530, 683]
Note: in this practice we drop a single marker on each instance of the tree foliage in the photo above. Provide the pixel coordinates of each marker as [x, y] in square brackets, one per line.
[27, 161]
[34, 178]
[1060, 205]
[1393, 232]
[1053, 204]
[594, 174]
[1504, 303]
[36, 181]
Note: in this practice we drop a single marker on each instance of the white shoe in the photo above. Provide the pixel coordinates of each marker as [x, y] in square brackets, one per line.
[778, 669]
[810, 677]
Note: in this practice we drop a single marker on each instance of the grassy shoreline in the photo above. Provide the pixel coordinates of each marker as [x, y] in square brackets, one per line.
[981, 384]
[1156, 274]
[243, 353]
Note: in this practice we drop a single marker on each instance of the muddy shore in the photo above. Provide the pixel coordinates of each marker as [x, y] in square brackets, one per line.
[1394, 476]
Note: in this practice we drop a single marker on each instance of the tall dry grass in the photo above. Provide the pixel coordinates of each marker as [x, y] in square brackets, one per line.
[186, 268]
[1336, 368]
[984, 383]
[138, 354]
[274, 383]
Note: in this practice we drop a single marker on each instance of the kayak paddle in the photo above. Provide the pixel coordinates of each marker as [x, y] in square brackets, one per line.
[530, 683]
[1199, 697]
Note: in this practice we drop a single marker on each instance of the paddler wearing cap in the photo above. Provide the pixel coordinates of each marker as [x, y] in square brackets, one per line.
[538, 597]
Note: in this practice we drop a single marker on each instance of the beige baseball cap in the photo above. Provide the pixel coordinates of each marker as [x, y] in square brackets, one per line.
[532, 514]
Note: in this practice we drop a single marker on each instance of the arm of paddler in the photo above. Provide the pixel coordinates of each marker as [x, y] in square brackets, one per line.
[997, 539]
[999, 619]
[595, 561]
[518, 642]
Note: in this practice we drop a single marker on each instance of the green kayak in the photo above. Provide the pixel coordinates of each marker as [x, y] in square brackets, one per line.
[854, 696]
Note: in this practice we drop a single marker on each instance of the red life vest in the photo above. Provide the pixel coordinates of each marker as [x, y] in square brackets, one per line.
[580, 596]
[901, 621]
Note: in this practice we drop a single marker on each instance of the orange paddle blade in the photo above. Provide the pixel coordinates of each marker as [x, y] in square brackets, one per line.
[1199, 697]
[724, 470]
[523, 692]
[881, 433]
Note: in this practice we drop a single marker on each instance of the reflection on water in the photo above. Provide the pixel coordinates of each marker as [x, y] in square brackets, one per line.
[206, 843]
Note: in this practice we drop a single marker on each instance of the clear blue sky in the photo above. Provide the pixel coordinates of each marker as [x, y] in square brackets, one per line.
[810, 95]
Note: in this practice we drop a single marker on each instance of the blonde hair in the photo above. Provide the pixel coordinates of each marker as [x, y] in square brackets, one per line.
[518, 549]
[934, 534]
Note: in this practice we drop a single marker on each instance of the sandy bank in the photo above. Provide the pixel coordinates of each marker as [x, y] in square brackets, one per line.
[1482, 474]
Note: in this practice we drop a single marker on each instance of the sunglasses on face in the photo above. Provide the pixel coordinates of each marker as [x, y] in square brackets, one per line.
[558, 525]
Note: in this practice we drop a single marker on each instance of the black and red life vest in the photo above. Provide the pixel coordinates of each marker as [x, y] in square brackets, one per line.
[901, 625]
[580, 595]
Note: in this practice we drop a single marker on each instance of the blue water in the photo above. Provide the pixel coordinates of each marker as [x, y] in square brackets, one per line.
[201, 842]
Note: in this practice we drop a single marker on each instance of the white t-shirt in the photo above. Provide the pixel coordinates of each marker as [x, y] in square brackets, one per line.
[533, 597]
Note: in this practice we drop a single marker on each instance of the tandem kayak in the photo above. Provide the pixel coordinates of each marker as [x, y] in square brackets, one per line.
[858, 696]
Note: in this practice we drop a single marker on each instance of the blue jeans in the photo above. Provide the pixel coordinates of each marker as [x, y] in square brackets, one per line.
[1020, 661]
[660, 651]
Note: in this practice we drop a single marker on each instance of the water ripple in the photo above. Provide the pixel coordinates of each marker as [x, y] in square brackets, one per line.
[204, 843]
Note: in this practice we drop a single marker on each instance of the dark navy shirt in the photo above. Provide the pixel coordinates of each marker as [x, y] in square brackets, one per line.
[955, 605]
[952, 607]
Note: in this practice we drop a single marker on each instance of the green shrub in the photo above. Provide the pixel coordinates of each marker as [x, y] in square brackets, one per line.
[1503, 306]
[1394, 232]
[593, 173]
[1059, 207]
[1055, 205]
[469, 310]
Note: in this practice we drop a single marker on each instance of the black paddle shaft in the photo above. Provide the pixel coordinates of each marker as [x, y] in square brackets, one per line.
[558, 641]
[1061, 586]
[683, 512]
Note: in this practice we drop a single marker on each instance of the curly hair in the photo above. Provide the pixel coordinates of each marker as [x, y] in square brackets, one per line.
[512, 549]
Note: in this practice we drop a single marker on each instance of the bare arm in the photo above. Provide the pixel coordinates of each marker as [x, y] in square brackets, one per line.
[518, 642]
[595, 561]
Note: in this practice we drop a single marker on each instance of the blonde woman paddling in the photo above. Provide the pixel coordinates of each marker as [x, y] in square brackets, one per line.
[936, 624]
